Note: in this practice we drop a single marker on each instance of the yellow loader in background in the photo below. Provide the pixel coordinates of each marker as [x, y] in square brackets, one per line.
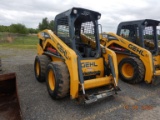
[71, 60]
[136, 46]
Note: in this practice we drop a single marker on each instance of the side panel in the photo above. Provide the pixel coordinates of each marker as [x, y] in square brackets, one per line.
[69, 56]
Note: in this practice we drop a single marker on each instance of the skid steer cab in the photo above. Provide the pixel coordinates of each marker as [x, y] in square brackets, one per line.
[71, 60]
[137, 50]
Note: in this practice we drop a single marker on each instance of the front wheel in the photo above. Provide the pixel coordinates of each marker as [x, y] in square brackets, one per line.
[131, 70]
[57, 78]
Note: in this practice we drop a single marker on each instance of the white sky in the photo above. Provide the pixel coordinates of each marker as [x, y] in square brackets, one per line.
[31, 12]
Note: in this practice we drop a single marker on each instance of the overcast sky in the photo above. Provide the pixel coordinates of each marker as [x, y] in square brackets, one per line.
[31, 12]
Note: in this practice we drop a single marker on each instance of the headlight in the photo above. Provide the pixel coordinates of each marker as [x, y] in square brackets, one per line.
[146, 23]
[75, 11]
[99, 16]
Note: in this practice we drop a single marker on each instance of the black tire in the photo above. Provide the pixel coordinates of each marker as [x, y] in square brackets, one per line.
[40, 67]
[135, 72]
[57, 78]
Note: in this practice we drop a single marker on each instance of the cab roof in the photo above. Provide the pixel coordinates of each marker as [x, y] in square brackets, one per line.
[141, 22]
[79, 11]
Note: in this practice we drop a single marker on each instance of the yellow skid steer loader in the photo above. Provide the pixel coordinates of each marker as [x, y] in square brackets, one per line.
[136, 46]
[71, 60]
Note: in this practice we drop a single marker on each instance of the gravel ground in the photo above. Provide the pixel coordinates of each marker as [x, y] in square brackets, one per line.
[134, 102]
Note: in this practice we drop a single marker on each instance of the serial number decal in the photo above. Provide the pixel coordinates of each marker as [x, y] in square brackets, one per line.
[62, 50]
[92, 73]
[137, 50]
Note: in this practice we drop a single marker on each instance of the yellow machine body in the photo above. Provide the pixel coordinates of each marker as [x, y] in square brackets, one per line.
[89, 66]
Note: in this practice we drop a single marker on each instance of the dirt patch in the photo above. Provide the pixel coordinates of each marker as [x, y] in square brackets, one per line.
[9, 107]
[127, 100]
[9, 39]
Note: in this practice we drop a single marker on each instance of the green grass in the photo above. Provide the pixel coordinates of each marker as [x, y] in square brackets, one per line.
[21, 41]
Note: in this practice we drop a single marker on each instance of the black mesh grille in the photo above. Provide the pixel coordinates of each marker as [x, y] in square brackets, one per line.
[149, 38]
[87, 29]
[63, 27]
[158, 31]
[148, 33]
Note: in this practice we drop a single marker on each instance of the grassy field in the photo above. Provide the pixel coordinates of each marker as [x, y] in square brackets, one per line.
[18, 41]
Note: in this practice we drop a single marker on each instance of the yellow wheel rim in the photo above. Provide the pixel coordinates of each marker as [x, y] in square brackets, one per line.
[127, 70]
[51, 79]
[37, 68]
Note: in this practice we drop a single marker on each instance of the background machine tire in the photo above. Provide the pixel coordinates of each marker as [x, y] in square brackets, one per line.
[131, 70]
[57, 78]
[40, 65]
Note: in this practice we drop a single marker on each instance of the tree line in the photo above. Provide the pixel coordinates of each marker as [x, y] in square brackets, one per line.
[22, 29]
[150, 37]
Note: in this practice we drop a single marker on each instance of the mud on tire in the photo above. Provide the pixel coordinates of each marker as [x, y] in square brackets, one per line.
[57, 78]
[131, 70]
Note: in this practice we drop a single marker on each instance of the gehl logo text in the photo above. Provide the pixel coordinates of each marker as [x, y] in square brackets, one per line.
[62, 50]
[88, 64]
[137, 50]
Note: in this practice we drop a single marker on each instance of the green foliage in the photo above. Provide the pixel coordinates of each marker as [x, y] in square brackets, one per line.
[22, 29]
[46, 24]
[18, 28]
[4, 28]
[51, 25]
[32, 30]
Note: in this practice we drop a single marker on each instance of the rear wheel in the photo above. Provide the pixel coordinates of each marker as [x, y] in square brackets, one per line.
[131, 70]
[40, 65]
[57, 78]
